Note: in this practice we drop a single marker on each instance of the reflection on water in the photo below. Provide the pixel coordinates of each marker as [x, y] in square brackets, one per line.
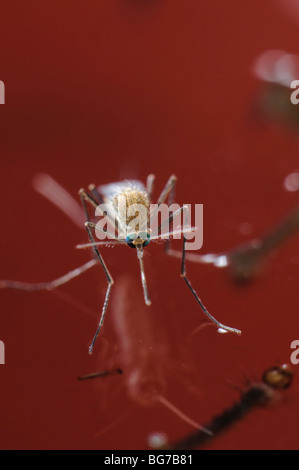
[246, 260]
[276, 71]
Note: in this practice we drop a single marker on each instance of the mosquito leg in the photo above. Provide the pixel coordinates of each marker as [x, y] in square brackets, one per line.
[110, 282]
[219, 260]
[109, 235]
[93, 189]
[168, 221]
[85, 197]
[26, 286]
[170, 185]
[169, 188]
[149, 185]
[171, 196]
[205, 311]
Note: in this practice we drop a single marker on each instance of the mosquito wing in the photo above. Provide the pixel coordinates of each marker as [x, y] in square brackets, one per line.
[113, 189]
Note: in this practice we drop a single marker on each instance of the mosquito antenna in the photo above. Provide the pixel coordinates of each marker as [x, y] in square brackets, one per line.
[143, 279]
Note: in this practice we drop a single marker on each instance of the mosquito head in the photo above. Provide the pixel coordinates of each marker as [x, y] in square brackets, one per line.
[278, 377]
[138, 240]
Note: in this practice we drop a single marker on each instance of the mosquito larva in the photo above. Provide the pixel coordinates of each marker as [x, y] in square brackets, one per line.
[255, 394]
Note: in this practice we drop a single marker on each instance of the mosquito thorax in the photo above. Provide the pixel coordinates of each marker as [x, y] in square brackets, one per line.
[126, 200]
[135, 240]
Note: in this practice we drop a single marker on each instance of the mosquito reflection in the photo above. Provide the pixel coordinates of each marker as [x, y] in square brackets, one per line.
[141, 352]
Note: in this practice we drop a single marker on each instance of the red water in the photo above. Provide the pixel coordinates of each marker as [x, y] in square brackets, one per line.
[110, 90]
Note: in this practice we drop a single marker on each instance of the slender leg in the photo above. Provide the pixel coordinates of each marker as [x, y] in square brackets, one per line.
[149, 185]
[168, 190]
[219, 260]
[110, 282]
[205, 311]
[169, 187]
[97, 196]
[84, 198]
[50, 284]
[112, 237]
[172, 182]
[184, 276]
[89, 225]
[169, 220]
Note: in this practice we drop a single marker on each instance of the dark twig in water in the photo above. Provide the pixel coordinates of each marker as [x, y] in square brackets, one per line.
[103, 373]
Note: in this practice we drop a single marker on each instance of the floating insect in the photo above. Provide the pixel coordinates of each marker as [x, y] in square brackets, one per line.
[118, 198]
[255, 394]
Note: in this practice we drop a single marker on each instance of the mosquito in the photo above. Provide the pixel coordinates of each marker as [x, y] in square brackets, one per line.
[131, 192]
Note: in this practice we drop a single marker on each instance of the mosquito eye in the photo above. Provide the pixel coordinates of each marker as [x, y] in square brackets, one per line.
[130, 239]
[146, 237]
